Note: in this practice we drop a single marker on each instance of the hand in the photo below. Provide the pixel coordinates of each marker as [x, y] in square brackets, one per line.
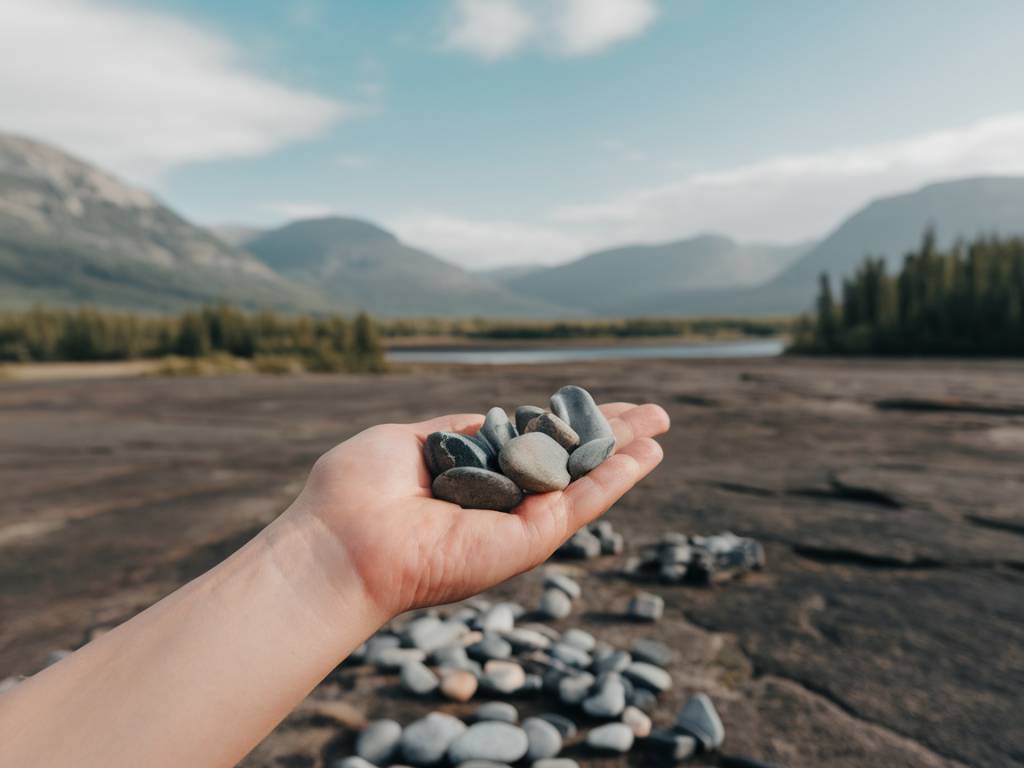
[372, 493]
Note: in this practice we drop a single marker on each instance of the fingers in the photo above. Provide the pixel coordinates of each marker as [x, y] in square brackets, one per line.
[611, 410]
[592, 495]
[639, 422]
[455, 422]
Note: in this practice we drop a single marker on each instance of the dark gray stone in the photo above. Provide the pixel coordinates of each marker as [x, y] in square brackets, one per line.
[575, 406]
[607, 699]
[582, 544]
[489, 740]
[417, 678]
[451, 657]
[570, 654]
[378, 741]
[490, 647]
[426, 741]
[643, 699]
[445, 450]
[649, 676]
[565, 726]
[556, 429]
[573, 689]
[500, 711]
[616, 661]
[589, 456]
[561, 581]
[671, 745]
[497, 429]
[544, 739]
[611, 737]
[535, 463]
[525, 414]
[475, 488]
[555, 604]
[651, 651]
[646, 606]
[699, 718]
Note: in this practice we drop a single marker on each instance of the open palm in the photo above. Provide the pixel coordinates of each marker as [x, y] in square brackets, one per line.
[410, 549]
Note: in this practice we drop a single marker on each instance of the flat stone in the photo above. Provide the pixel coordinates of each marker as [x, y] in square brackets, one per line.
[582, 544]
[573, 689]
[700, 718]
[571, 655]
[638, 721]
[645, 606]
[445, 450]
[607, 699]
[501, 711]
[556, 580]
[565, 726]
[589, 456]
[378, 741]
[393, 659]
[417, 678]
[611, 737]
[525, 414]
[556, 429]
[582, 640]
[535, 463]
[430, 633]
[426, 741]
[492, 646]
[649, 676]
[503, 676]
[525, 639]
[489, 740]
[643, 699]
[575, 406]
[475, 488]
[555, 604]
[458, 685]
[616, 661]
[673, 746]
[651, 651]
[497, 618]
[497, 429]
[544, 739]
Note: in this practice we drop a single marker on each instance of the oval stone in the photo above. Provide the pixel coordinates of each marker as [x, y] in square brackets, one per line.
[458, 685]
[589, 456]
[608, 699]
[535, 462]
[497, 429]
[561, 581]
[490, 740]
[613, 737]
[425, 741]
[649, 676]
[417, 678]
[499, 711]
[700, 719]
[525, 414]
[575, 406]
[555, 604]
[475, 488]
[378, 741]
[556, 429]
[544, 739]
[444, 450]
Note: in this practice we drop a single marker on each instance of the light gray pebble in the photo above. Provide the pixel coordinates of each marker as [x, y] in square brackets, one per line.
[417, 678]
[426, 741]
[503, 676]
[700, 718]
[616, 661]
[379, 643]
[450, 657]
[489, 740]
[475, 488]
[607, 699]
[565, 726]
[352, 762]
[556, 580]
[556, 429]
[378, 741]
[583, 544]
[497, 618]
[549, 632]
[555, 604]
[497, 429]
[651, 651]
[500, 711]
[582, 640]
[430, 633]
[611, 737]
[556, 762]
[525, 639]
[570, 654]
[535, 463]
[589, 456]
[445, 450]
[393, 659]
[492, 646]
[482, 764]
[615, 545]
[543, 738]
[645, 606]
[573, 689]
[649, 676]
[525, 414]
[576, 406]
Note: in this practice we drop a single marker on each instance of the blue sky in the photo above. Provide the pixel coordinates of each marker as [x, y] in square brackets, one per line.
[504, 131]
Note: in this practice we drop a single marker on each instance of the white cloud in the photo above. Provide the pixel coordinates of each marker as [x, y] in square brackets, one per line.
[140, 92]
[293, 211]
[489, 29]
[494, 29]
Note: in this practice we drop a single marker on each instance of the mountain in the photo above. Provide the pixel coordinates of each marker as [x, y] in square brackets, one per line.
[71, 233]
[888, 227]
[358, 263]
[622, 280]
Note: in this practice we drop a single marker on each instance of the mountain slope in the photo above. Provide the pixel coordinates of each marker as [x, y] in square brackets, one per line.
[70, 233]
[356, 262]
[888, 227]
[623, 279]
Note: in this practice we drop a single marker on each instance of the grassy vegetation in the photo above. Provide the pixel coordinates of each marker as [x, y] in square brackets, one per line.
[968, 300]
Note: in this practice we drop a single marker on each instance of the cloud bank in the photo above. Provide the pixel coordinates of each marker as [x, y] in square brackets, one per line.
[140, 92]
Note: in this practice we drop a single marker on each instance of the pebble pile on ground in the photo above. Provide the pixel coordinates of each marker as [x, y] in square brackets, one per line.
[592, 541]
[542, 451]
[595, 699]
[677, 558]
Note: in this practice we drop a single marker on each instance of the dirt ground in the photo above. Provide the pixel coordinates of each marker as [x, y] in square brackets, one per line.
[887, 629]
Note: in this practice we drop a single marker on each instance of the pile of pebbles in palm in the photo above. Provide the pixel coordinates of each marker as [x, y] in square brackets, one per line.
[542, 451]
[601, 696]
[676, 558]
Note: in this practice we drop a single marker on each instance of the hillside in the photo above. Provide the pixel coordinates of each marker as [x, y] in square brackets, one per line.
[888, 227]
[638, 272]
[71, 233]
[358, 263]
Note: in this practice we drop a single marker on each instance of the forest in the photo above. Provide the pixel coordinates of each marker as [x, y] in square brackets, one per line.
[965, 300]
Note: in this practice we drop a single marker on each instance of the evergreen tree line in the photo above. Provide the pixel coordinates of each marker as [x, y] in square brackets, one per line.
[332, 343]
[967, 300]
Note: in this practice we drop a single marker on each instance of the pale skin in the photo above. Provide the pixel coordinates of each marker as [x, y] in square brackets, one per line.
[202, 676]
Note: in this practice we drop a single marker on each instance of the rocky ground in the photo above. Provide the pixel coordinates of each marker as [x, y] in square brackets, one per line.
[887, 628]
